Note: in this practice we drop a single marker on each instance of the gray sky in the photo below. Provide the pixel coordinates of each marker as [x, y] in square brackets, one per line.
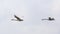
[33, 11]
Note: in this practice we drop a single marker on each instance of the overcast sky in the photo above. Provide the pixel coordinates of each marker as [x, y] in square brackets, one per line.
[33, 11]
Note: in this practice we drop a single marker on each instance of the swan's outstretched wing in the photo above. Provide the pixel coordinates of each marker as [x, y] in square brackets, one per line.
[17, 17]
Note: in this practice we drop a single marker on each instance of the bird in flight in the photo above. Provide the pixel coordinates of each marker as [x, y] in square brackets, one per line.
[17, 18]
[49, 18]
